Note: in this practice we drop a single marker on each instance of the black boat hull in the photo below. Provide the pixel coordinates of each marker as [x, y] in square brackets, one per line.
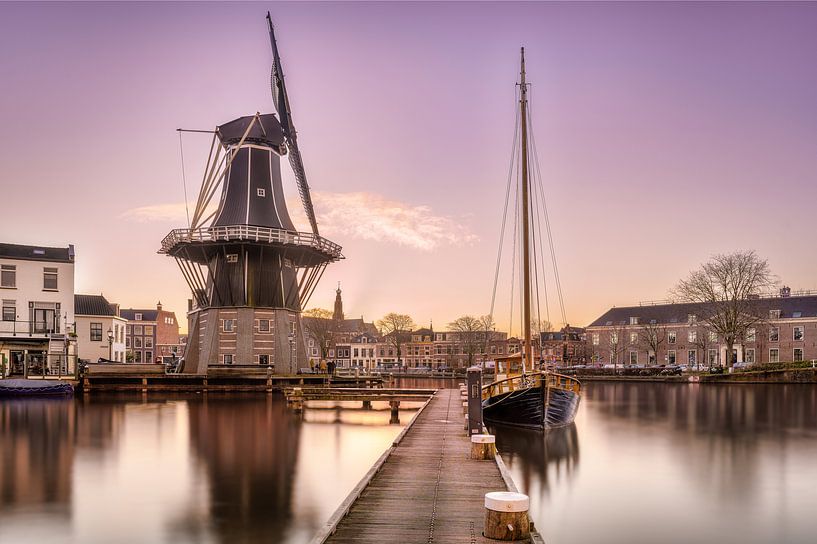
[532, 407]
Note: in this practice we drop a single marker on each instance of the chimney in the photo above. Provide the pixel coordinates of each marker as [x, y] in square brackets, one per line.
[115, 309]
[159, 306]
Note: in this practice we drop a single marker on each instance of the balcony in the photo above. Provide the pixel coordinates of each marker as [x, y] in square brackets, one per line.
[29, 329]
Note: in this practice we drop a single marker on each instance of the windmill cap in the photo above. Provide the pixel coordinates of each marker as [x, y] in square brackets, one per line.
[266, 131]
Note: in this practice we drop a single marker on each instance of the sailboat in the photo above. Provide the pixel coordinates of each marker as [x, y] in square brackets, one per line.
[525, 396]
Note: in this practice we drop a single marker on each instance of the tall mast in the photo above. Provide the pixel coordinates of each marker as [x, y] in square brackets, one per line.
[523, 104]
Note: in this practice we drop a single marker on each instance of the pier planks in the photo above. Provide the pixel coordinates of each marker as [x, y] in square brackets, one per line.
[427, 490]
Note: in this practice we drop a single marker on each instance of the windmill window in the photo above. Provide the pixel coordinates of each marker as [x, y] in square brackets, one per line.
[263, 325]
[232, 257]
[261, 192]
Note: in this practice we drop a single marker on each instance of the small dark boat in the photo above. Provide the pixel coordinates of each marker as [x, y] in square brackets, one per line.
[535, 400]
[35, 388]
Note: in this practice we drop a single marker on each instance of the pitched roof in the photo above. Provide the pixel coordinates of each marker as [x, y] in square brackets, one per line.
[92, 305]
[37, 253]
[147, 315]
[791, 306]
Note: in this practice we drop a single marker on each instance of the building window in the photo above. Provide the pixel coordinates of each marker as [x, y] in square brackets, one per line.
[9, 310]
[633, 357]
[314, 352]
[137, 317]
[633, 321]
[751, 335]
[595, 339]
[331, 353]
[713, 336]
[137, 357]
[692, 319]
[692, 357]
[671, 357]
[137, 342]
[263, 325]
[798, 332]
[232, 257]
[127, 341]
[228, 358]
[712, 359]
[263, 360]
[671, 336]
[50, 279]
[137, 329]
[148, 356]
[774, 334]
[228, 325]
[633, 337]
[8, 276]
[774, 314]
[614, 338]
[692, 337]
[292, 328]
[798, 354]
[261, 192]
[148, 341]
[149, 329]
[749, 356]
[96, 332]
[774, 355]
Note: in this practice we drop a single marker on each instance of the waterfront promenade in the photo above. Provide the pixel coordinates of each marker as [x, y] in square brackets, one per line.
[425, 488]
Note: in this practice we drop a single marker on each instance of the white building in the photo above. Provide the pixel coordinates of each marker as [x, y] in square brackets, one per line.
[363, 349]
[36, 324]
[101, 331]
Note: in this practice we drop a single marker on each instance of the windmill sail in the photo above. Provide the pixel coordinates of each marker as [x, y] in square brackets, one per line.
[281, 101]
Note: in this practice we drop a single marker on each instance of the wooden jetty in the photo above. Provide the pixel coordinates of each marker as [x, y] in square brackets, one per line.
[424, 488]
[152, 378]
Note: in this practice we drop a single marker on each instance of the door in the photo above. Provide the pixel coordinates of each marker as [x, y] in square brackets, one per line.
[44, 321]
[17, 363]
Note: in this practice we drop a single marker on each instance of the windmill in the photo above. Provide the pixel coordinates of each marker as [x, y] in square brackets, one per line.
[249, 269]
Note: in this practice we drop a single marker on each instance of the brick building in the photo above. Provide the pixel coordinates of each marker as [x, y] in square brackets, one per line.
[565, 347]
[152, 335]
[622, 335]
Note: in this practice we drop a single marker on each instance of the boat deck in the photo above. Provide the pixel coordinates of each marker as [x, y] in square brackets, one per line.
[427, 489]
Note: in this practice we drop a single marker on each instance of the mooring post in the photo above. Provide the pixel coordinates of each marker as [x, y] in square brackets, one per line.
[506, 515]
[483, 447]
[367, 405]
[395, 411]
[474, 392]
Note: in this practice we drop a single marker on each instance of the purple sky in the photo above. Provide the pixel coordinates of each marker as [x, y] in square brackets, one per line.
[666, 133]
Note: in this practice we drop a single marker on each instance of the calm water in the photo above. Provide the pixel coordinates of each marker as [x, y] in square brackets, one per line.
[221, 470]
[674, 463]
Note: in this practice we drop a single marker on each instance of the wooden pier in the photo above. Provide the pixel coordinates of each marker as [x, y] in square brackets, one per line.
[423, 489]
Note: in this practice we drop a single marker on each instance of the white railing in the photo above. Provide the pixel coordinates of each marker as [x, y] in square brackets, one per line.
[249, 233]
[34, 329]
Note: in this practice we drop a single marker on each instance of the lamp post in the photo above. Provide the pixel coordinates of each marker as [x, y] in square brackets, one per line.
[110, 344]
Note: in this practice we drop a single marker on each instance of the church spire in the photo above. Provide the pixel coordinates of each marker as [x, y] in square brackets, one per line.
[338, 314]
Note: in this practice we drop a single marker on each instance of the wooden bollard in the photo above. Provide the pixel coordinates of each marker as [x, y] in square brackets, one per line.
[483, 446]
[506, 515]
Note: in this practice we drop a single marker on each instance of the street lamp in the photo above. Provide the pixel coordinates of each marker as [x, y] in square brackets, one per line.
[110, 344]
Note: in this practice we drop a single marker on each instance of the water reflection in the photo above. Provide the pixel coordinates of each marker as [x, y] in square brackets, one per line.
[678, 462]
[237, 469]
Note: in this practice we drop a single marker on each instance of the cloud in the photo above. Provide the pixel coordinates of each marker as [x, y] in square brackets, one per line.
[362, 215]
[369, 216]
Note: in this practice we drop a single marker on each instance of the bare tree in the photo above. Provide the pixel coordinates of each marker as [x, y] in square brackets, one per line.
[396, 330]
[651, 335]
[487, 326]
[470, 331]
[728, 288]
[616, 341]
[320, 325]
[703, 342]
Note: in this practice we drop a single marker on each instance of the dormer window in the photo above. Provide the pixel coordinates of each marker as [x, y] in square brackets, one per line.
[137, 317]
[774, 314]
[633, 321]
[692, 319]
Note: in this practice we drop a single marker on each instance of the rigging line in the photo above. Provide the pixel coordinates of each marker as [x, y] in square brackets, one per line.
[505, 210]
[184, 180]
[541, 251]
[514, 238]
[533, 232]
[547, 226]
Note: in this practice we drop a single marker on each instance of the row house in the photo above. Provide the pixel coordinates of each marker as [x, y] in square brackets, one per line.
[565, 347]
[364, 351]
[676, 334]
[37, 320]
[152, 335]
[418, 352]
[101, 330]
